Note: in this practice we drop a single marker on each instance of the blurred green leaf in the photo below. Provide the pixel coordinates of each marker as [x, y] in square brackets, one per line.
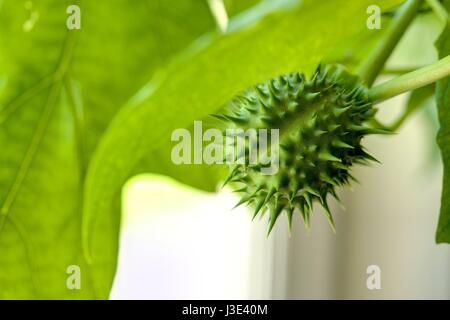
[416, 100]
[60, 90]
[200, 83]
[443, 139]
[236, 6]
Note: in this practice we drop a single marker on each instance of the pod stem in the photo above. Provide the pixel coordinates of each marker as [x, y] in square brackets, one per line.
[411, 81]
[369, 69]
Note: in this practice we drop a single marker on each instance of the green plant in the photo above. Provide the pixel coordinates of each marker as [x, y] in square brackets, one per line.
[73, 129]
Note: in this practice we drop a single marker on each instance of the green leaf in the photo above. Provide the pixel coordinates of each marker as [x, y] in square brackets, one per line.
[201, 82]
[443, 139]
[60, 90]
[416, 100]
[236, 6]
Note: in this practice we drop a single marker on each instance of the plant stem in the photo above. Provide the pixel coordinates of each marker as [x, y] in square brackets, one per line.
[439, 10]
[412, 80]
[399, 71]
[371, 67]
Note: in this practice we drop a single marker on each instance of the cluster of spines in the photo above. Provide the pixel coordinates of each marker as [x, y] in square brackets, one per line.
[321, 121]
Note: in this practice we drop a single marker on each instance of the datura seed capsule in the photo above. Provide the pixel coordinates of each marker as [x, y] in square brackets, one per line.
[321, 123]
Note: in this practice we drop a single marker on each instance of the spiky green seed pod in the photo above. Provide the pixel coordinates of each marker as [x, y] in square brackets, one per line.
[321, 122]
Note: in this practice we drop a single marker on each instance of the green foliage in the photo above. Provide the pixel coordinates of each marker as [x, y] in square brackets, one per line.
[443, 139]
[416, 100]
[78, 116]
[62, 88]
[236, 6]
